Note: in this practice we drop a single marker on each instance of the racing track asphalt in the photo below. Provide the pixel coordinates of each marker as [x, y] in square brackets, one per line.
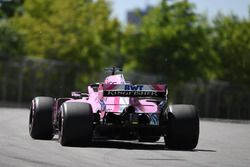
[221, 144]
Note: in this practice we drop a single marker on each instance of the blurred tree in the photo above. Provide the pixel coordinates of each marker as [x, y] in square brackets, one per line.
[172, 41]
[11, 42]
[80, 33]
[9, 7]
[231, 41]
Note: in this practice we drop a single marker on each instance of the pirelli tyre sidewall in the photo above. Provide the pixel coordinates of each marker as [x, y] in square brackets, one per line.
[182, 131]
[76, 124]
[40, 118]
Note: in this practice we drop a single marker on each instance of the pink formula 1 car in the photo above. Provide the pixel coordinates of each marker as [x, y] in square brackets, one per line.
[115, 109]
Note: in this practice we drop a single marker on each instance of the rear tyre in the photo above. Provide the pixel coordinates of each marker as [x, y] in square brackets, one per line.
[40, 119]
[76, 127]
[182, 127]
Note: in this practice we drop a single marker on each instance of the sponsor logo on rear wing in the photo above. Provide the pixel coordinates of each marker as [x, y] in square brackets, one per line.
[157, 90]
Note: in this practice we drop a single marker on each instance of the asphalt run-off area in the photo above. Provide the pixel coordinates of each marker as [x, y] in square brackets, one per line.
[221, 143]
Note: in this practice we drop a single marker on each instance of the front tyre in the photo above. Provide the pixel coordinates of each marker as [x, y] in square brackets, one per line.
[76, 127]
[40, 119]
[182, 127]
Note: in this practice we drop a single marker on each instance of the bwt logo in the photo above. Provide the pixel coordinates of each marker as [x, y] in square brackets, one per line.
[133, 87]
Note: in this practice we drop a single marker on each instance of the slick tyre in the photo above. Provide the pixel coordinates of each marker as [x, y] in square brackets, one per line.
[40, 118]
[76, 124]
[182, 131]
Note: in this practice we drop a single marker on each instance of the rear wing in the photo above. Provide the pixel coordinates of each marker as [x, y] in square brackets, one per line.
[128, 90]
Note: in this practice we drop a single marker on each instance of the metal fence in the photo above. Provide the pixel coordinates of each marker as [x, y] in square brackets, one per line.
[216, 99]
[21, 80]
